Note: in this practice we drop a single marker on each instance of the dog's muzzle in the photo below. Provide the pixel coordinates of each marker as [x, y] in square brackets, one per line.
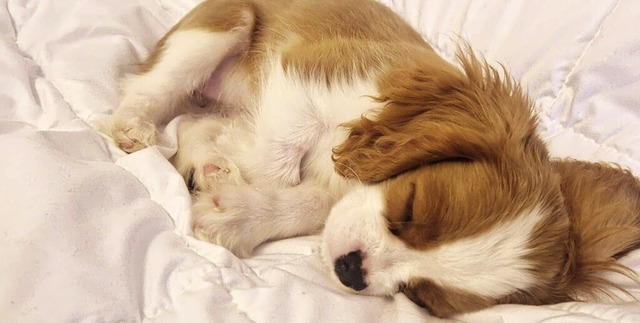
[349, 270]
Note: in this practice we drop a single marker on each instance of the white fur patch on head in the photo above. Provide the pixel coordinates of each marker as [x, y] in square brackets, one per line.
[490, 264]
[356, 223]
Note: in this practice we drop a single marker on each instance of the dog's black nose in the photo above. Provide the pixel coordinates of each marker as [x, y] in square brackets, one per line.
[349, 270]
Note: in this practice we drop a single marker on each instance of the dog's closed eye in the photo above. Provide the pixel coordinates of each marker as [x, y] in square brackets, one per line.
[396, 227]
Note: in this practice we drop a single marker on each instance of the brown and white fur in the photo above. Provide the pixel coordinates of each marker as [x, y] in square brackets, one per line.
[431, 179]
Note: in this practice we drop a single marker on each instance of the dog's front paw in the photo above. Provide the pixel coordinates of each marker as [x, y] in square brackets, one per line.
[207, 174]
[133, 134]
[232, 218]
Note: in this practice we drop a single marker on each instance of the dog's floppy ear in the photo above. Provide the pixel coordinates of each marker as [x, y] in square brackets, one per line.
[434, 114]
[442, 302]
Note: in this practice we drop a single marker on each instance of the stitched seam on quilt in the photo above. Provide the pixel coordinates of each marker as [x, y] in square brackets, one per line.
[188, 285]
[579, 59]
[590, 139]
[564, 86]
[13, 37]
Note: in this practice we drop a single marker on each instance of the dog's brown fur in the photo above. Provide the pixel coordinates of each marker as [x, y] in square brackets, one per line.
[455, 150]
[464, 145]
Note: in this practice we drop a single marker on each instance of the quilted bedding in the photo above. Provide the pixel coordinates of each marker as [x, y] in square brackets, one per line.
[89, 234]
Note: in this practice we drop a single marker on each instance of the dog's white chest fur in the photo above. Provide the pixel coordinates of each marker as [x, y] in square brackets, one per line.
[278, 138]
[296, 124]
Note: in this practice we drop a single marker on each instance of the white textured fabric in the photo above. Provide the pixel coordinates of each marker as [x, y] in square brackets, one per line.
[88, 234]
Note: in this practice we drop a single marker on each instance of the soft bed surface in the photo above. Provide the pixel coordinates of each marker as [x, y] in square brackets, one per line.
[88, 234]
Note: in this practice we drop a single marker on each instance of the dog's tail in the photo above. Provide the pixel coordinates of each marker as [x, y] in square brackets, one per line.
[603, 202]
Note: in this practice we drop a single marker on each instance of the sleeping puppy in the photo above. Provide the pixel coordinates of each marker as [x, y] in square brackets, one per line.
[460, 236]
[431, 178]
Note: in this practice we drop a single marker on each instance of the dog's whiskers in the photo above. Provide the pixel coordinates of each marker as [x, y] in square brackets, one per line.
[355, 175]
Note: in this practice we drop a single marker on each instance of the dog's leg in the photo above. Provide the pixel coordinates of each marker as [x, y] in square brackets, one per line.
[277, 156]
[290, 124]
[226, 210]
[240, 218]
[200, 49]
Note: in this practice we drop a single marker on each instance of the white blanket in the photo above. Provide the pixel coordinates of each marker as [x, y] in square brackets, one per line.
[88, 234]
